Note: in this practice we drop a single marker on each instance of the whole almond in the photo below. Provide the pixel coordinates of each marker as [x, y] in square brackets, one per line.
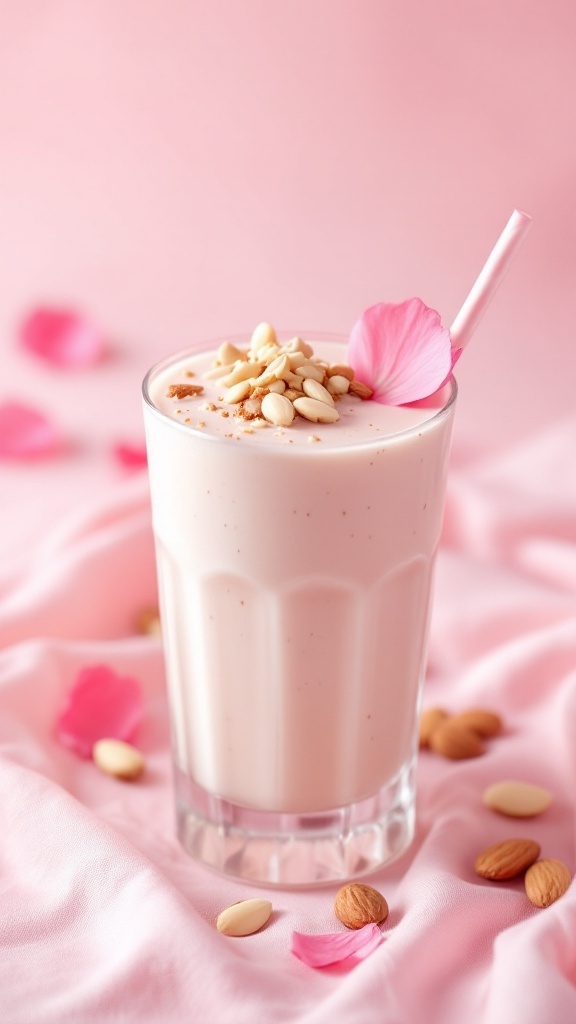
[429, 721]
[315, 411]
[546, 881]
[485, 723]
[277, 409]
[455, 742]
[356, 905]
[360, 390]
[517, 799]
[244, 918]
[114, 757]
[506, 859]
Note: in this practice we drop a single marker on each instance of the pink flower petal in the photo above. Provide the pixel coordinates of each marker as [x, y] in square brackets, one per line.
[131, 456]
[400, 351]
[25, 433]
[323, 950]
[62, 337]
[100, 705]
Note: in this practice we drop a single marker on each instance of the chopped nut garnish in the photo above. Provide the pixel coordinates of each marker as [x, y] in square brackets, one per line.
[184, 390]
[250, 409]
[289, 370]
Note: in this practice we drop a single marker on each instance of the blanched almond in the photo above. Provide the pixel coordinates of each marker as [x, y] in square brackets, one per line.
[242, 371]
[114, 757]
[263, 334]
[296, 359]
[219, 371]
[341, 370]
[275, 370]
[314, 389]
[298, 345]
[228, 353]
[277, 409]
[315, 411]
[517, 799]
[236, 393]
[244, 918]
[310, 371]
[338, 385]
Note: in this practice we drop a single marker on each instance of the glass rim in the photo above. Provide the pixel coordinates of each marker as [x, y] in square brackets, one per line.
[241, 339]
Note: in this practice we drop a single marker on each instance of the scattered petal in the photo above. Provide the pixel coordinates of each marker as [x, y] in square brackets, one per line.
[25, 433]
[100, 705]
[62, 337]
[323, 950]
[400, 351]
[131, 456]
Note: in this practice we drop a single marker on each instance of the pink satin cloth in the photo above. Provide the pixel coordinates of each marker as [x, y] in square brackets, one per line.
[103, 917]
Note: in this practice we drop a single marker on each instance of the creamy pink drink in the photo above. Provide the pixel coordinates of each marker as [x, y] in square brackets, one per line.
[295, 566]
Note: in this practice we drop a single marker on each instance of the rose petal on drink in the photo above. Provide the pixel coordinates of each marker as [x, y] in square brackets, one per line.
[130, 456]
[100, 705]
[323, 950]
[62, 337]
[25, 433]
[401, 351]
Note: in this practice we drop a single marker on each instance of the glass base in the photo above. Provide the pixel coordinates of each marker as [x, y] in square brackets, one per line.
[296, 850]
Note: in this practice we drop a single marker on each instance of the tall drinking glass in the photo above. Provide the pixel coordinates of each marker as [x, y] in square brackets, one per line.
[295, 570]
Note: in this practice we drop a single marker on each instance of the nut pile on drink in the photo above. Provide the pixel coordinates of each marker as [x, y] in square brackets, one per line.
[269, 384]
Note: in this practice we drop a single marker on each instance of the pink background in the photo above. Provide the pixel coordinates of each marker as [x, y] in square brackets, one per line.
[183, 170]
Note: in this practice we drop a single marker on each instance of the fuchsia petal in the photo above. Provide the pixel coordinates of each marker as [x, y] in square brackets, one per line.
[323, 950]
[400, 351]
[25, 433]
[131, 456]
[62, 337]
[100, 705]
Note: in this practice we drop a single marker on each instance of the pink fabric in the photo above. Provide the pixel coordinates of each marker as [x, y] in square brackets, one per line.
[104, 918]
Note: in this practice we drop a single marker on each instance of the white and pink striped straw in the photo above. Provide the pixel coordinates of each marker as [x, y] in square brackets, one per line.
[489, 278]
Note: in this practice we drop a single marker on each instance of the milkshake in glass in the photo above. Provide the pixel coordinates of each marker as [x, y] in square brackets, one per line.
[295, 562]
